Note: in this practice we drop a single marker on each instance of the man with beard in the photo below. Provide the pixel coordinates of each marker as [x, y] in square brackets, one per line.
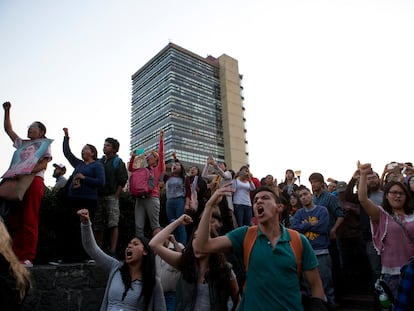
[375, 194]
[58, 173]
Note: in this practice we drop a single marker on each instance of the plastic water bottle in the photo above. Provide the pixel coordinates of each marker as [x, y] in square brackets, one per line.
[382, 296]
[384, 301]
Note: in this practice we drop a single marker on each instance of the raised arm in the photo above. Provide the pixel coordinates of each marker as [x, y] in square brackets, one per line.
[73, 160]
[370, 208]
[7, 123]
[89, 244]
[131, 161]
[203, 243]
[161, 156]
[157, 242]
[350, 196]
[204, 174]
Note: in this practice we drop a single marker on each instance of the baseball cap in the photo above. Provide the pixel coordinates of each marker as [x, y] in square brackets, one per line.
[341, 186]
[59, 165]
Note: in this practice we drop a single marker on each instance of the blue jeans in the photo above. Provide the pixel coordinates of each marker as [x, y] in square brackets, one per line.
[325, 272]
[175, 208]
[243, 214]
[170, 300]
[374, 260]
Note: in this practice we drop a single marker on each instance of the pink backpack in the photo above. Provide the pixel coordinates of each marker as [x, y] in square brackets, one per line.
[141, 183]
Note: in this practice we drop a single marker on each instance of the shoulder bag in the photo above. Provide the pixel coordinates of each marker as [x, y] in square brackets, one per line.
[13, 189]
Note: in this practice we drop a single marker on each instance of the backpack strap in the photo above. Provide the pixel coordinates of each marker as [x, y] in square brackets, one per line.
[248, 242]
[295, 244]
[116, 161]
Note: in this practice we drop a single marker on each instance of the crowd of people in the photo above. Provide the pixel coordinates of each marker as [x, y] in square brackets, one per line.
[311, 244]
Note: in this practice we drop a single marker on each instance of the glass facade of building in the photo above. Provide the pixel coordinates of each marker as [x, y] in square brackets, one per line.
[178, 92]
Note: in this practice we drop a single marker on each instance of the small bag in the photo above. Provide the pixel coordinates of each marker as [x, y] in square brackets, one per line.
[13, 189]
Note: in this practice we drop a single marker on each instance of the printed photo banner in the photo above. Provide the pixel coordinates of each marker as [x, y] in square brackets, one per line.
[25, 158]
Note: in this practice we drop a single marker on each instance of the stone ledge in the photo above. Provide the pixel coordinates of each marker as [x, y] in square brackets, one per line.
[65, 287]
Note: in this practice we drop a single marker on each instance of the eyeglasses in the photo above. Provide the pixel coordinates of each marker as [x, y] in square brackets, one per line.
[395, 193]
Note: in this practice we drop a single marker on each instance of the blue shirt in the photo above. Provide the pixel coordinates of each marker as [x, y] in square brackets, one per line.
[331, 202]
[94, 173]
[405, 295]
[318, 235]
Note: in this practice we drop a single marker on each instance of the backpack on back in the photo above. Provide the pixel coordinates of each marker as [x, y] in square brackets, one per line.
[115, 162]
[141, 183]
[309, 303]
[295, 244]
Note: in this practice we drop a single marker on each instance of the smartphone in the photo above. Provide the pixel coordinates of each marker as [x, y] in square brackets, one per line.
[139, 151]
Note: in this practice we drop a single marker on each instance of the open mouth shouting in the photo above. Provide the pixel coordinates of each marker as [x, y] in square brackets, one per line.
[128, 254]
[260, 211]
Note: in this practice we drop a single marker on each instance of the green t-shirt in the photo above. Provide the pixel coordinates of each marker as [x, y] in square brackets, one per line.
[272, 280]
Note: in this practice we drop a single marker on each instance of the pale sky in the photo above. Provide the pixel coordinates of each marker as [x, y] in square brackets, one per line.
[326, 83]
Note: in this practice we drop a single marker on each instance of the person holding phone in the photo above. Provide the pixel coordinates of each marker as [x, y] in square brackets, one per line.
[149, 206]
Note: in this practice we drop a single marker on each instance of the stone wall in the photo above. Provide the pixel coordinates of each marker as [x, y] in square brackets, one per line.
[66, 287]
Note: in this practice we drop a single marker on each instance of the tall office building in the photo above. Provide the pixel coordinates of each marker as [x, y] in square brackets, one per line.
[197, 101]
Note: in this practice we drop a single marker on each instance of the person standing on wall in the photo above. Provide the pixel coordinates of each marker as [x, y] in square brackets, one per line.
[107, 212]
[23, 220]
[150, 206]
[87, 177]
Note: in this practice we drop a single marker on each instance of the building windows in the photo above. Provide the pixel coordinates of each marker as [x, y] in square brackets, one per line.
[179, 92]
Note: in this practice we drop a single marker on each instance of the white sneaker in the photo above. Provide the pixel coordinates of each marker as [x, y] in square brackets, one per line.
[27, 263]
[55, 262]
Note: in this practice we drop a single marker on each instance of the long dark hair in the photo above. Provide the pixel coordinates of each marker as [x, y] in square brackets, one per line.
[148, 273]
[219, 269]
[284, 216]
[182, 174]
[386, 204]
[407, 181]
